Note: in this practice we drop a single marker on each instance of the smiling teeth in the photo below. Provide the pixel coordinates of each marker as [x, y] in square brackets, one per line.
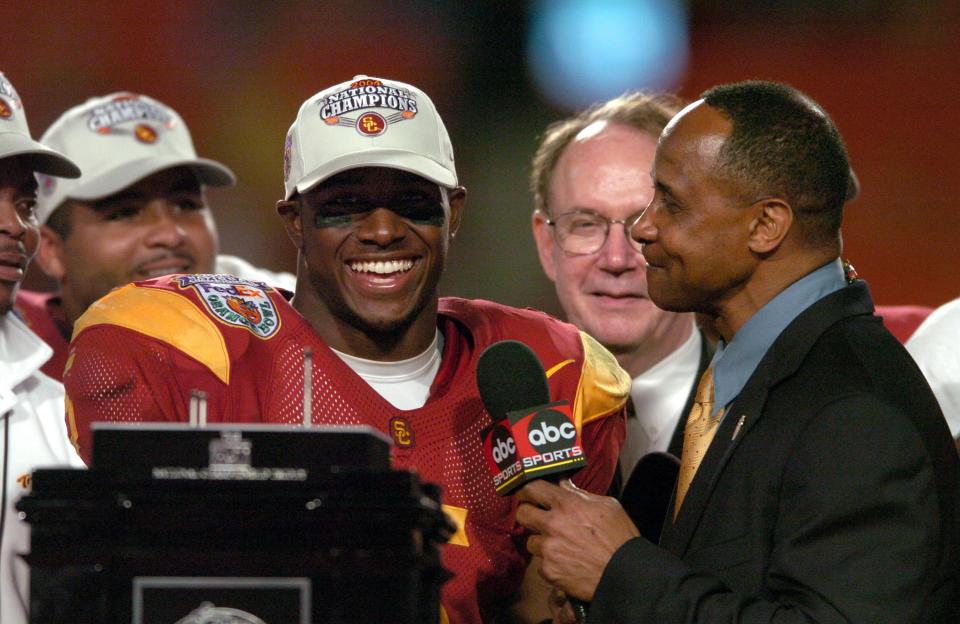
[382, 268]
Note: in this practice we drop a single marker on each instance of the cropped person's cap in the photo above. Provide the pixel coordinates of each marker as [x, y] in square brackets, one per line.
[15, 137]
[367, 122]
[118, 140]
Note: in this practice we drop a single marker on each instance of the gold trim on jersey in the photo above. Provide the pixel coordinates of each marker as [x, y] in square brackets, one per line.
[604, 386]
[555, 368]
[166, 316]
[459, 517]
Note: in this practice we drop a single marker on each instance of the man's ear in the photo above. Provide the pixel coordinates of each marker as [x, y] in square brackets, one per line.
[51, 255]
[773, 218]
[458, 199]
[545, 243]
[290, 211]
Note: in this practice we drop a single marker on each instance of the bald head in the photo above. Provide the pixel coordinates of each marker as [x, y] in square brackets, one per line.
[782, 144]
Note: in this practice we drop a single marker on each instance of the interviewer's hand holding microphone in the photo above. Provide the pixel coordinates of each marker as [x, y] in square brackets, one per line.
[532, 448]
[576, 534]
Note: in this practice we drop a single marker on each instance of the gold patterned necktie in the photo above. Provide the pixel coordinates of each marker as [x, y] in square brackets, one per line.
[697, 435]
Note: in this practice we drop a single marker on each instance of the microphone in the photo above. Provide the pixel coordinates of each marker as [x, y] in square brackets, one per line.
[647, 493]
[531, 437]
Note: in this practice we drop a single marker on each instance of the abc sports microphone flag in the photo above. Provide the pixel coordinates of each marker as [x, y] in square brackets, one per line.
[530, 437]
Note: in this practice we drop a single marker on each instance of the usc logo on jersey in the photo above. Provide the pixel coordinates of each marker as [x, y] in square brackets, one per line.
[401, 432]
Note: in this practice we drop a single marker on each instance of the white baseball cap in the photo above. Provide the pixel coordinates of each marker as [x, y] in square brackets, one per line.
[15, 137]
[118, 140]
[367, 122]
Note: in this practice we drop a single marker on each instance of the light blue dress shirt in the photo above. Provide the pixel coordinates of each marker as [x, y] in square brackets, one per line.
[734, 363]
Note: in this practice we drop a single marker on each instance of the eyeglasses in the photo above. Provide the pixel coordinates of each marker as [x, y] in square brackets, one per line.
[583, 232]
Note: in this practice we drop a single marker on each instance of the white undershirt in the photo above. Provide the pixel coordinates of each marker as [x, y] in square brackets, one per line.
[404, 384]
[659, 395]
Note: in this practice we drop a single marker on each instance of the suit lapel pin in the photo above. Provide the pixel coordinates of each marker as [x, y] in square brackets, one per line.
[849, 272]
[736, 429]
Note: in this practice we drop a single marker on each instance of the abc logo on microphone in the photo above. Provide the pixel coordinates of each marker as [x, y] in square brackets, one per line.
[548, 429]
[500, 449]
[530, 444]
[505, 451]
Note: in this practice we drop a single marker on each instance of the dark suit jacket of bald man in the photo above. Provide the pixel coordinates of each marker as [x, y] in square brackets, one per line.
[829, 494]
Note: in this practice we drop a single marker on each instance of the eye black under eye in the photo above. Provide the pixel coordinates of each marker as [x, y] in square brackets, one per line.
[343, 211]
[421, 212]
[322, 219]
[339, 211]
[344, 205]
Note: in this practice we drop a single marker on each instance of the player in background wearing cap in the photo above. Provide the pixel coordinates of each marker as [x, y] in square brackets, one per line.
[138, 211]
[372, 202]
[32, 431]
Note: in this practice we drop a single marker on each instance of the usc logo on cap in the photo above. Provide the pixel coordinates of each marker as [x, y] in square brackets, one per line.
[145, 134]
[371, 124]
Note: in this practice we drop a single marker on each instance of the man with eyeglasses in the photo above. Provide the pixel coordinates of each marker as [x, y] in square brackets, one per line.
[371, 202]
[590, 179]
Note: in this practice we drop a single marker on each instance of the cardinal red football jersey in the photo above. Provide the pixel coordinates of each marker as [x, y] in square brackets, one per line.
[138, 352]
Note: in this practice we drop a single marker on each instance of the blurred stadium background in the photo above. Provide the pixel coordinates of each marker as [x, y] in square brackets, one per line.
[499, 72]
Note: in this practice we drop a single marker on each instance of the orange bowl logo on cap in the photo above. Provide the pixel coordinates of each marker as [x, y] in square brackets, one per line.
[371, 124]
[145, 134]
[6, 112]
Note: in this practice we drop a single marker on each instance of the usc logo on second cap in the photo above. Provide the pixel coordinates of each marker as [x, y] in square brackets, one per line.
[145, 134]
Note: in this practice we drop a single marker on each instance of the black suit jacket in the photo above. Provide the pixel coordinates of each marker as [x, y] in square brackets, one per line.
[647, 492]
[829, 494]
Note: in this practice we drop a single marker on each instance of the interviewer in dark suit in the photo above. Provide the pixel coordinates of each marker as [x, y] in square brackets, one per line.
[829, 492]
